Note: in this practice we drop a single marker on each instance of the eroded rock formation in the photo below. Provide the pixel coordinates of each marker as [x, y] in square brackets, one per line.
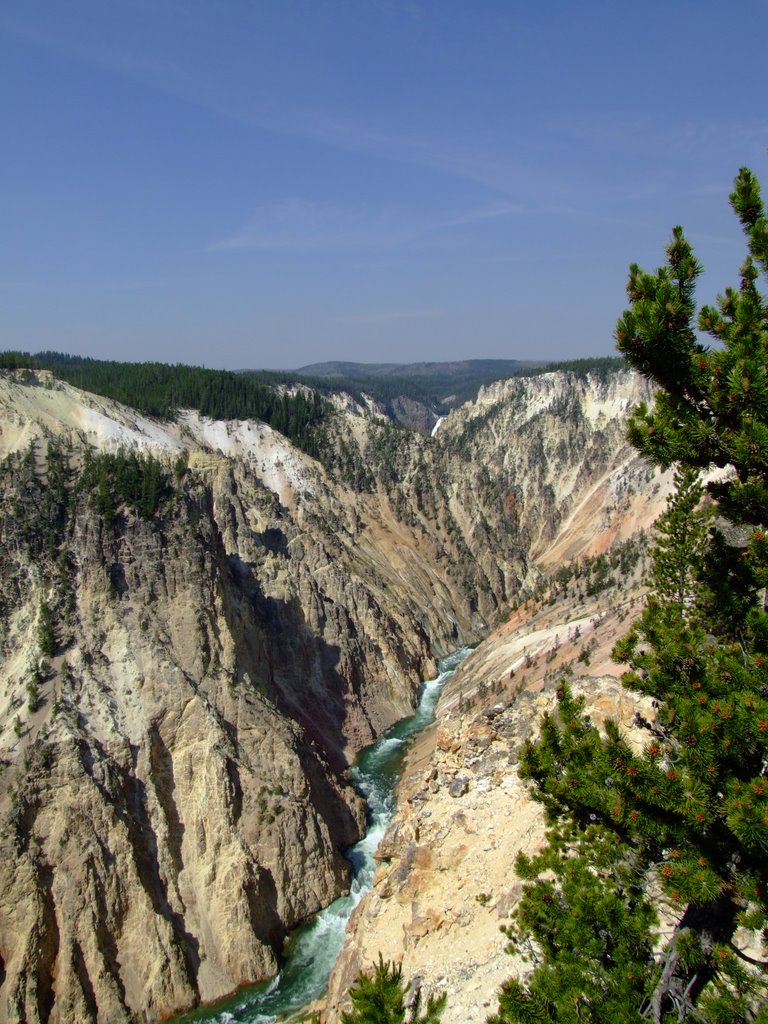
[174, 794]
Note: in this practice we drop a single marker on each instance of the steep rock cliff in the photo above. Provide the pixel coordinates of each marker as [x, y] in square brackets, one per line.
[180, 691]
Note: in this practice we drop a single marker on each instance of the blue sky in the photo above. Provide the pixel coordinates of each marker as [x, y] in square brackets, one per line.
[268, 183]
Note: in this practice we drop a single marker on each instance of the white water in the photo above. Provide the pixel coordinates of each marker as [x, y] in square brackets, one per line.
[312, 951]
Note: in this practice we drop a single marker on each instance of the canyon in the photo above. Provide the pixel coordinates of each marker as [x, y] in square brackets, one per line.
[182, 691]
[446, 883]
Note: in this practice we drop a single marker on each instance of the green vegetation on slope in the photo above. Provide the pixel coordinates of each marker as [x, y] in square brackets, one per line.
[381, 998]
[44, 493]
[15, 360]
[599, 366]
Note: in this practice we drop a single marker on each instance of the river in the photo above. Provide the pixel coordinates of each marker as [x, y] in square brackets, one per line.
[312, 950]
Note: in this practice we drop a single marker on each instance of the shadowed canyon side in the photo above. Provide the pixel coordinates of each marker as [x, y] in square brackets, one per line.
[184, 680]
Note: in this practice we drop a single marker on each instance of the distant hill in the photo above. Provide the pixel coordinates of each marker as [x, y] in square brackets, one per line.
[415, 394]
[437, 387]
[465, 369]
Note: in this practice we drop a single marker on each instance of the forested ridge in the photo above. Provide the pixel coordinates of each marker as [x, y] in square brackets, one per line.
[601, 366]
[162, 389]
[295, 404]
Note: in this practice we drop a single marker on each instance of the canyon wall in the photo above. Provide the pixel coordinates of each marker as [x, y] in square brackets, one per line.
[181, 691]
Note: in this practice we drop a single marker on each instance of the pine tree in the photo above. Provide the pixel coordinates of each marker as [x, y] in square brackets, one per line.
[46, 633]
[688, 816]
[381, 998]
[682, 535]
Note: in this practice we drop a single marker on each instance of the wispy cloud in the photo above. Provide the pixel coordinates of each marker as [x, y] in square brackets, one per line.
[487, 212]
[698, 136]
[499, 158]
[484, 162]
[493, 162]
[298, 224]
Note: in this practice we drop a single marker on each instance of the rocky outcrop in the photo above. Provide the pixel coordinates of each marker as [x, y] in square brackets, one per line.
[181, 691]
[415, 415]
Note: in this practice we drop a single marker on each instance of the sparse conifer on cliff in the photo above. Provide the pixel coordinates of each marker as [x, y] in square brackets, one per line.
[383, 998]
